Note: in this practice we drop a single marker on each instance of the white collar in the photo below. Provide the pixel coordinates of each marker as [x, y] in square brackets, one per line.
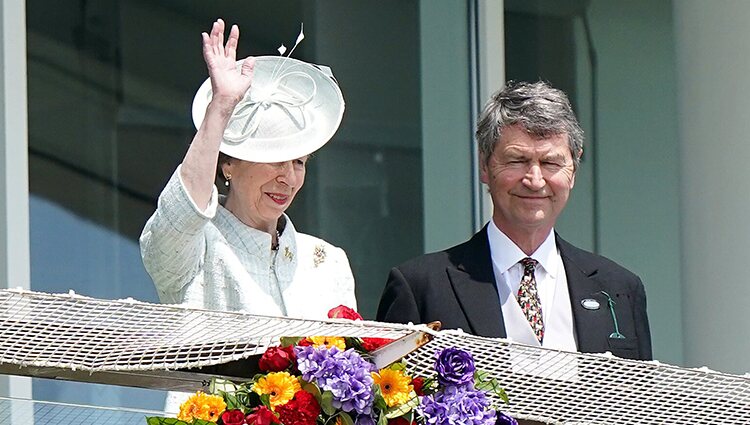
[258, 243]
[505, 253]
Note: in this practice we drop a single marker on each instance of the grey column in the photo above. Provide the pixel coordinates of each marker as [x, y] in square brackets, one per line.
[14, 176]
[713, 64]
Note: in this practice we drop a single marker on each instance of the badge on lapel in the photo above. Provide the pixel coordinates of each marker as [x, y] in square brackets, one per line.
[590, 304]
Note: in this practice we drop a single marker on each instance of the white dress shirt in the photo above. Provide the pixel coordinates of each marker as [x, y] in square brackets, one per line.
[552, 287]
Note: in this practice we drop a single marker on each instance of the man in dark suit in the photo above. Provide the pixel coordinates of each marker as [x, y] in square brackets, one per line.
[516, 277]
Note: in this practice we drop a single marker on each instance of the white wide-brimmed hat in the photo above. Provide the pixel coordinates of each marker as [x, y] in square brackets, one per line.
[291, 110]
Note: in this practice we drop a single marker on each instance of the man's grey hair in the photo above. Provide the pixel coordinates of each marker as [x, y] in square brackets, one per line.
[542, 110]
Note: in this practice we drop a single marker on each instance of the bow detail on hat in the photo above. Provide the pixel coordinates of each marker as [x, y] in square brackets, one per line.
[248, 114]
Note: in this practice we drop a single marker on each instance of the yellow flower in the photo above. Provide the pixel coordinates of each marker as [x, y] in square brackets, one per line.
[328, 341]
[395, 386]
[280, 386]
[202, 406]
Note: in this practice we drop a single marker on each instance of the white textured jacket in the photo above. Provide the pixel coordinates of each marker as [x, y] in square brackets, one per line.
[209, 259]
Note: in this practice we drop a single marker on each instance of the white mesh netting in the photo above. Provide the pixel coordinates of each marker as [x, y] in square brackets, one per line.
[79, 333]
[76, 332]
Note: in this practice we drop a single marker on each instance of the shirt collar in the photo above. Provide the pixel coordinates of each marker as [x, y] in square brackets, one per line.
[505, 253]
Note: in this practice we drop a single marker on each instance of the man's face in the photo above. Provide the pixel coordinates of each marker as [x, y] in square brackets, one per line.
[529, 180]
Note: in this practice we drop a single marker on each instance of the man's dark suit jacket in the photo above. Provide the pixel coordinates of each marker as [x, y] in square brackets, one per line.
[457, 287]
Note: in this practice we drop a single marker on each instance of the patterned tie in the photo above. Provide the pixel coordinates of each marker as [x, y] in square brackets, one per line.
[528, 298]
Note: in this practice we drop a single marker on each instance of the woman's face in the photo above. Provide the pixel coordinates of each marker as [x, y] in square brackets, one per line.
[259, 192]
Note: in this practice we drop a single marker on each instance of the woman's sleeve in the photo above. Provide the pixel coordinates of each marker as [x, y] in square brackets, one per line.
[173, 242]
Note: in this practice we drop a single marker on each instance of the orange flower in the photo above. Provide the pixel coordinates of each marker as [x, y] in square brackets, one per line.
[328, 341]
[395, 386]
[280, 387]
[202, 406]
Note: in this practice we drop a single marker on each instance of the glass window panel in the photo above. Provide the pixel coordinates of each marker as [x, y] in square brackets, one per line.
[616, 61]
[110, 86]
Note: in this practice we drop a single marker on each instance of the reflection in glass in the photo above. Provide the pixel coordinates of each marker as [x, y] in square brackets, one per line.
[110, 86]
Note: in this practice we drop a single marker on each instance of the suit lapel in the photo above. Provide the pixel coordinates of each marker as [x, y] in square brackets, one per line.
[473, 281]
[588, 324]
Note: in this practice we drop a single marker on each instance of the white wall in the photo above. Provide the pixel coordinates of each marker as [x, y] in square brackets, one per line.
[638, 170]
[713, 64]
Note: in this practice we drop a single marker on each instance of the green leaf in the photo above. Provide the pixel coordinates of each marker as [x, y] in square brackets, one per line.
[429, 386]
[202, 422]
[379, 401]
[232, 401]
[404, 409]
[156, 420]
[240, 401]
[265, 399]
[397, 366]
[312, 389]
[503, 395]
[352, 342]
[356, 344]
[326, 403]
[345, 418]
[290, 340]
[382, 420]
[483, 381]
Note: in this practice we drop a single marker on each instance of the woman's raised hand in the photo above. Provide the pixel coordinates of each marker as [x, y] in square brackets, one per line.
[228, 83]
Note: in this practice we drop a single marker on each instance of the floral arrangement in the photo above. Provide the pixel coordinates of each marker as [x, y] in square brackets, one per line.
[325, 380]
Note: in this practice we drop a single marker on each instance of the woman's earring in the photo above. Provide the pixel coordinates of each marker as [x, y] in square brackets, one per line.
[226, 180]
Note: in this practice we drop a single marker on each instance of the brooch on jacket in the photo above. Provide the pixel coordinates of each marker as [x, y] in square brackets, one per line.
[319, 255]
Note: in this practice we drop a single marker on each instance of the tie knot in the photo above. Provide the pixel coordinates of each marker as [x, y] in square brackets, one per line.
[529, 264]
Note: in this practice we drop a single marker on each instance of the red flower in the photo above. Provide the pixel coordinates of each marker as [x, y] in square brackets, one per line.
[304, 342]
[233, 417]
[276, 359]
[371, 344]
[343, 312]
[261, 416]
[418, 383]
[400, 421]
[303, 409]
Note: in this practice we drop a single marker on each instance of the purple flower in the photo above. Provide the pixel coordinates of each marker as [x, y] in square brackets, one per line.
[454, 367]
[315, 364]
[344, 373]
[365, 420]
[503, 419]
[457, 405]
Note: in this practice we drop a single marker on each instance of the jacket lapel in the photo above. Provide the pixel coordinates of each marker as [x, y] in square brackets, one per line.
[582, 285]
[473, 281]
